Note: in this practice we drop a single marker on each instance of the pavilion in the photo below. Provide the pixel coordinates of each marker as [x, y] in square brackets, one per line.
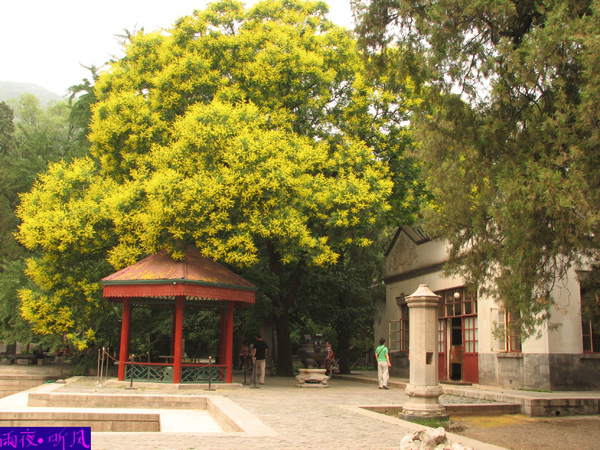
[196, 281]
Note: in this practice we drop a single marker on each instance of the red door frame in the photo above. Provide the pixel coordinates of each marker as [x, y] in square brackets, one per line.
[470, 360]
[442, 350]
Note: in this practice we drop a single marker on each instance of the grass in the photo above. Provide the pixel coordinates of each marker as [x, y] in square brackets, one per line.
[362, 368]
[534, 390]
[432, 422]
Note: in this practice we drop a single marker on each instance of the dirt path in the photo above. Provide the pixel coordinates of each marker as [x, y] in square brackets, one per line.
[519, 432]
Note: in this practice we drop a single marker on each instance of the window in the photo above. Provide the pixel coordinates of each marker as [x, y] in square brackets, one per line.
[591, 338]
[590, 316]
[441, 336]
[399, 331]
[505, 336]
[458, 302]
[471, 342]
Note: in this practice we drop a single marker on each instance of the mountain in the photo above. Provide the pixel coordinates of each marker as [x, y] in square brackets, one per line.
[13, 89]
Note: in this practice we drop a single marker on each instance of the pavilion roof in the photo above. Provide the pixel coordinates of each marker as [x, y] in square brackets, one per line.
[195, 277]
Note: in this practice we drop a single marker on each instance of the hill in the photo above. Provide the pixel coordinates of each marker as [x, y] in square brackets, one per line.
[13, 89]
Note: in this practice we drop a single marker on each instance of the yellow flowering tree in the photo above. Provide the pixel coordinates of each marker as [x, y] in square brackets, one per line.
[252, 135]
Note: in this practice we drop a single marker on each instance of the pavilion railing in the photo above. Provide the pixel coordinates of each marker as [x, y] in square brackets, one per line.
[163, 373]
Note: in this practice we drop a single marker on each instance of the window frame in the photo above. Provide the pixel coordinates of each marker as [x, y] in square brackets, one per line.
[470, 333]
[591, 335]
[505, 338]
[464, 305]
[400, 328]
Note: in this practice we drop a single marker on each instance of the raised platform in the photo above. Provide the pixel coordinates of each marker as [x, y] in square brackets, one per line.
[130, 411]
[484, 409]
[531, 403]
[172, 386]
[535, 404]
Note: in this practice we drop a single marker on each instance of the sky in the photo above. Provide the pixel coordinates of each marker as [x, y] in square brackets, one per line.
[46, 42]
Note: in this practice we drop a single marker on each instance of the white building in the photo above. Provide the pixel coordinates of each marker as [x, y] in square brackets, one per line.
[472, 344]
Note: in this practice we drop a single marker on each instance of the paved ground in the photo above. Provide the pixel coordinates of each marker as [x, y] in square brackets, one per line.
[282, 416]
[287, 417]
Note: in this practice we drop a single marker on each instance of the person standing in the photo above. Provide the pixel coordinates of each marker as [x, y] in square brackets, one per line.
[383, 364]
[245, 356]
[259, 357]
[329, 358]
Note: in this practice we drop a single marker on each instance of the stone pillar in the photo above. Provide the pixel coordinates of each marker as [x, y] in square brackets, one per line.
[423, 389]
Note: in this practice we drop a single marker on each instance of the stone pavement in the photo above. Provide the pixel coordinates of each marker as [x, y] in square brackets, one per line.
[282, 416]
[279, 415]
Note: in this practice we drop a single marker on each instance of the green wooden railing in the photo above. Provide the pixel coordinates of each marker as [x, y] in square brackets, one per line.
[163, 373]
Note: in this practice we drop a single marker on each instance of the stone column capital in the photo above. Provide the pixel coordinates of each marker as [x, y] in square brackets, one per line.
[423, 297]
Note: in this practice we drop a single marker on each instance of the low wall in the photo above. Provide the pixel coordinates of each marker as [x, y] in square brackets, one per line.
[14, 383]
[569, 372]
[515, 370]
[96, 421]
[400, 365]
[225, 413]
[540, 371]
[74, 400]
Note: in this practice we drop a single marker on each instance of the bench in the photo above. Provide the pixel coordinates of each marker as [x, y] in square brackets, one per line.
[27, 357]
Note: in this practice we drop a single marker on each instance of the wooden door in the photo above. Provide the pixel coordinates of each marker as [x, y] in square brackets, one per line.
[471, 350]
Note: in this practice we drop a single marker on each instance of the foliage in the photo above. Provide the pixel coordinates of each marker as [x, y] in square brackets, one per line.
[510, 136]
[32, 137]
[343, 296]
[252, 135]
[81, 99]
[7, 129]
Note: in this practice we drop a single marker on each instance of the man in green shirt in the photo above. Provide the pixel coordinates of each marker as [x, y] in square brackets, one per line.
[383, 364]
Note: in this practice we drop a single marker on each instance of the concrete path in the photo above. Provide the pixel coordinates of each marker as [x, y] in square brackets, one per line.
[278, 415]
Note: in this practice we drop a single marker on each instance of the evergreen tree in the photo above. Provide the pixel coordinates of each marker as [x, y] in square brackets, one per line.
[510, 135]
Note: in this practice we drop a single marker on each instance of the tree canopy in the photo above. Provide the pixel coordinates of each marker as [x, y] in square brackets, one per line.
[31, 136]
[253, 135]
[510, 135]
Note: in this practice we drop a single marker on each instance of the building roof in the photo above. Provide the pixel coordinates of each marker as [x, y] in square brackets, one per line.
[417, 235]
[195, 277]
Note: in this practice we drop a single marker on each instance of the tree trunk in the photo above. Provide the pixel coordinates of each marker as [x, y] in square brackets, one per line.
[344, 350]
[285, 367]
[283, 299]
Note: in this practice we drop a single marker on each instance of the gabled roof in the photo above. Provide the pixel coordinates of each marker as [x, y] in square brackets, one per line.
[416, 234]
[195, 277]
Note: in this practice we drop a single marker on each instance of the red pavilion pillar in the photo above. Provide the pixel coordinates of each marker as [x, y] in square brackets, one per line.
[178, 339]
[173, 327]
[222, 336]
[125, 333]
[229, 343]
